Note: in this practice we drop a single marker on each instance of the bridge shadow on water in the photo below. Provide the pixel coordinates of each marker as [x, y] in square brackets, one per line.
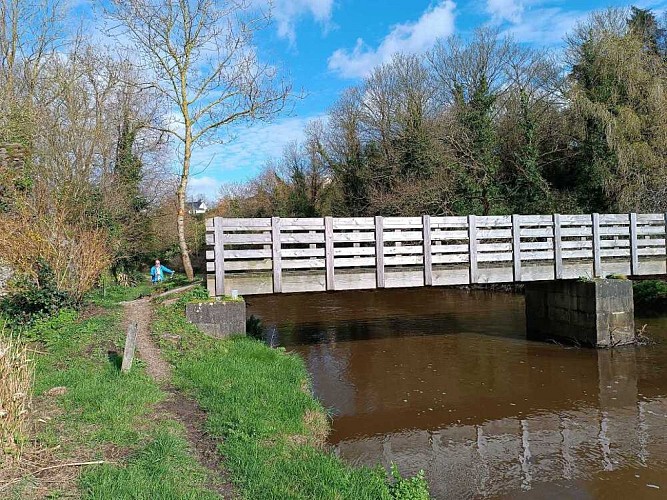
[313, 318]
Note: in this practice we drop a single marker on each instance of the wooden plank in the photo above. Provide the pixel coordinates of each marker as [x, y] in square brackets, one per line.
[399, 235]
[364, 237]
[494, 221]
[403, 260]
[439, 234]
[557, 248]
[402, 223]
[665, 233]
[210, 239]
[428, 256]
[130, 347]
[342, 223]
[275, 248]
[209, 223]
[516, 247]
[300, 237]
[649, 230]
[329, 253]
[248, 265]
[303, 264]
[404, 250]
[379, 252]
[533, 232]
[450, 259]
[264, 253]
[247, 238]
[494, 234]
[449, 222]
[472, 248]
[436, 249]
[219, 257]
[355, 251]
[298, 253]
[648, 218]
[246, 224]
[634, 256]
[288, 223]
[597, 261]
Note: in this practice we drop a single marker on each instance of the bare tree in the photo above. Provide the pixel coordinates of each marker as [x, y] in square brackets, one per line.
[203, 61]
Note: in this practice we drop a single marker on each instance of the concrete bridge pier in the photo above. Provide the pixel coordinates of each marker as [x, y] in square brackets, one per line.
[593, 313]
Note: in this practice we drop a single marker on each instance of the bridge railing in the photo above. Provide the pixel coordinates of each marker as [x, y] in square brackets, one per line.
[280, 255]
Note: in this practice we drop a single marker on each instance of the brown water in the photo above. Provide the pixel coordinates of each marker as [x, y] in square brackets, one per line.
[445, 381]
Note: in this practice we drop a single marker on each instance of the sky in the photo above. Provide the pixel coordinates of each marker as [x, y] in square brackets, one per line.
[325, 46]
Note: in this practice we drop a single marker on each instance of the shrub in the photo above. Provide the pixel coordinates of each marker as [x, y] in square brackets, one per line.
[411, 488]
[650, 294]
[16, 373]
[34, 298]
[78, 255]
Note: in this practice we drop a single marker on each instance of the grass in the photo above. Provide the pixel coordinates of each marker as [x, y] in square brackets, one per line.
[105, 415]
[273, 431]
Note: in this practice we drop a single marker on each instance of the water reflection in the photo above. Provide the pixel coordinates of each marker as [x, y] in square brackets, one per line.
[444, 381]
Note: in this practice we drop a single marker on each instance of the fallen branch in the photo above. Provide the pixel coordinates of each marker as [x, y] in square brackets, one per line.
[73, 464]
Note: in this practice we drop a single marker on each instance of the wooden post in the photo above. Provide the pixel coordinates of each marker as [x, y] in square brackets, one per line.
[130, 347]
[472, 248]
[428, 256]
[219, 256]
[558, 249]
[516, 247]
[597, 261]
[634, 254]
[329, 252]
[379, 252]
[276, 259]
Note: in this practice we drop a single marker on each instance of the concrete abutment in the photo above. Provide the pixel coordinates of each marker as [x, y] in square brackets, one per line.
[593, 313]
[221, 318]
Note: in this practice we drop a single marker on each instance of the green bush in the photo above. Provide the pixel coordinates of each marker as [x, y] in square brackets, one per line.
[650, 294]
[410, 488]
[34, 298]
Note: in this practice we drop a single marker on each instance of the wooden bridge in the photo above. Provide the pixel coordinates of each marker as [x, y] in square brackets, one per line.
[283, 255]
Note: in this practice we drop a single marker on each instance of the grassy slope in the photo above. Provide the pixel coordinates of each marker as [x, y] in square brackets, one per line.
[258, 401]
[107, 413]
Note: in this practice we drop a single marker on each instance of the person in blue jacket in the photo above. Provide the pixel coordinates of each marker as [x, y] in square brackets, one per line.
[157, 272]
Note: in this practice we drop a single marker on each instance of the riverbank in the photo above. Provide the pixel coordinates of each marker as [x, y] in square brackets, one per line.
[94, 432]
[272, 430]
[97, 433]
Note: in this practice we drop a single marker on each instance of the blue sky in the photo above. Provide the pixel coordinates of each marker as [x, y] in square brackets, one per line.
[328, 45]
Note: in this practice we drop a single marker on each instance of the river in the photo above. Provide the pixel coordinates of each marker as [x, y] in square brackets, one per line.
[444, 381]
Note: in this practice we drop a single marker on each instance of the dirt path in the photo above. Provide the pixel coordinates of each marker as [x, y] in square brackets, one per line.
[178, 406]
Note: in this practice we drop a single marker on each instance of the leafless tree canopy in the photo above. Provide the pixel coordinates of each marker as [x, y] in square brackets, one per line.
[200, 56]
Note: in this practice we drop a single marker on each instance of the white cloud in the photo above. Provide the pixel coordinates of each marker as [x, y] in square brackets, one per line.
[244, 156]
[203, 186]
[410, 37]
[545, 26]
[505, 10]
[287, 14]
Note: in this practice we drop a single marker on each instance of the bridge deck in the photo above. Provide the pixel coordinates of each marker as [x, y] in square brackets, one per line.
[274, 255]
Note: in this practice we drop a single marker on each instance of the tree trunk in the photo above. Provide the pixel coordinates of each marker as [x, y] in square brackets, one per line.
[181, 195]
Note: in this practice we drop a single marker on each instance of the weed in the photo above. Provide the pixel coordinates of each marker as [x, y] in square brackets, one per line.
[32, 299]
[16, 373]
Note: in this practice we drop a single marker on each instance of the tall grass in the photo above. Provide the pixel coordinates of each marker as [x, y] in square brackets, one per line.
[16, 379]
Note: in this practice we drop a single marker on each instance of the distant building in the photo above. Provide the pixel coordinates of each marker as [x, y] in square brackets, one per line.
[196, 207]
